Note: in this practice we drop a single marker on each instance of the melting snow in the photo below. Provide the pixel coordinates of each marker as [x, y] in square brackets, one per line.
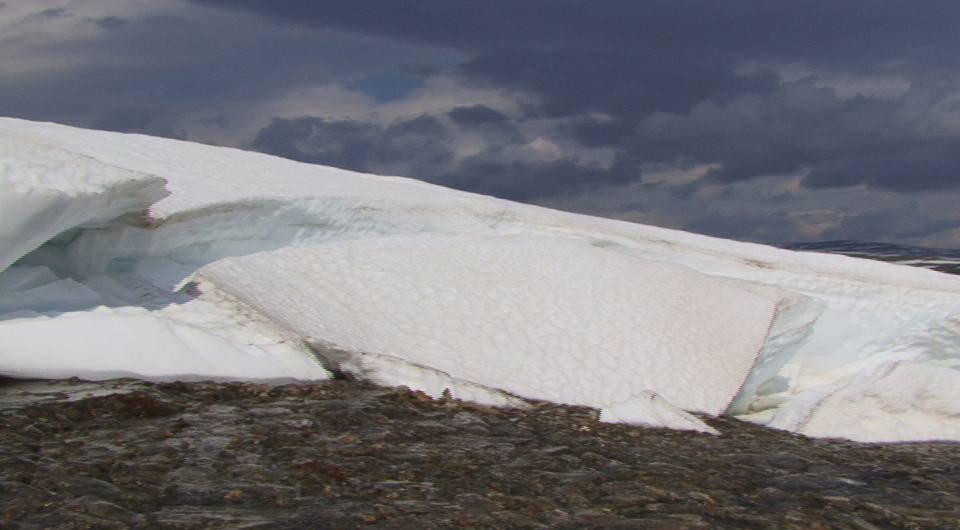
[132, 255]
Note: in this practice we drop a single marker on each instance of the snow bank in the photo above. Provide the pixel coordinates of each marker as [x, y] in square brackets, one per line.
[894, 402]
[92, 250]
[131, 342]
[56, 321]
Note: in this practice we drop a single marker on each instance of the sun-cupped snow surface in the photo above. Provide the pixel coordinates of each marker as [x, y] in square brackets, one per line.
[544, 318]
[99, 229]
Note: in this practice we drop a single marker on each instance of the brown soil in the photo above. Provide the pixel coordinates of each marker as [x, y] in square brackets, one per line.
[349, 455]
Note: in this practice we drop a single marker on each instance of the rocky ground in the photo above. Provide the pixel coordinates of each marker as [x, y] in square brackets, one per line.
[349, 455]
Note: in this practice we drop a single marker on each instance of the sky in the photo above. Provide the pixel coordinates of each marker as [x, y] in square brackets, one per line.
[757, 120]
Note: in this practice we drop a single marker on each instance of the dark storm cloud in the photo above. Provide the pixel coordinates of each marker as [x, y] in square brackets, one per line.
[476, 115]
[750, 88]
[601, 133]
[133, 64]
[184, 57]
[106, 90]
[146, 120]
[109, 23]
[621, 57]
[357, 145]
[676, 43]
[672, 80]
[863, 33]
[339, 143]
[52, 13]
[421, 139]
[895, 223]
[622, 83]
[127, 119]
[767, 134]
[523, 181]
[527, 180]
[925, 167]
[420, 146]
[843, 141]
[746, 226]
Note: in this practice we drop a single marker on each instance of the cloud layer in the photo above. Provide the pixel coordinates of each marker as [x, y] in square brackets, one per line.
[757, 120]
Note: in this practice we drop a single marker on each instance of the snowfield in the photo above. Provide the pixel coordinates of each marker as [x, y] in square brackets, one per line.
[128, 255]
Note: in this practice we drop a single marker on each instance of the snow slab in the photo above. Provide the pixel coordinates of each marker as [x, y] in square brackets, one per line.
[542, 318]
[77, 246]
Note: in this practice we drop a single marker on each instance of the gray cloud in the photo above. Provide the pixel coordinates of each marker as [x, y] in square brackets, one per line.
[772, 227]
[421, 140]
[182, 56]
[419, 147]
[895, 223]
[843, 142]
[910, 168]
[476, 115]
[754, 134]
[139, 120]
[601, 93]
[601, 133]
[829, 33]
[638, 55]
[522, 181]
[111, 23]
[670, 76]
[418, 143]
[340, 143]
[127, 119]
[52, 12]
[526, 180]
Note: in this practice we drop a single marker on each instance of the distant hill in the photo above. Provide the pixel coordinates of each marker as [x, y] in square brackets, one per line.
[938, 259]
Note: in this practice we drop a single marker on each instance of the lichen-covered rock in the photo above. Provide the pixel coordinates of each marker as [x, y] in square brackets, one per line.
[129, 454]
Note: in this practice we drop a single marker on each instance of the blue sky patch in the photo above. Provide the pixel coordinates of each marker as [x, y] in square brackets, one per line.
[387, 86]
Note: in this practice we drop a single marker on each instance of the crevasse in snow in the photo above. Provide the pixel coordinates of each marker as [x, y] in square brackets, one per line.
[131, 255]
